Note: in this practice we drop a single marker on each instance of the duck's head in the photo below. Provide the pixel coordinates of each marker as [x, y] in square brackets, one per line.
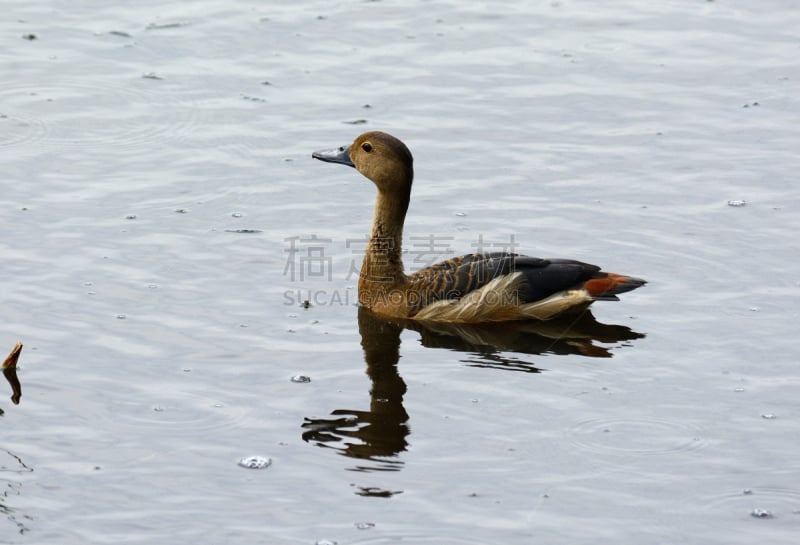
[379, 156]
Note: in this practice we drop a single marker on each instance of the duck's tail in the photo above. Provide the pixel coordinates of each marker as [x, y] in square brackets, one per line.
[606, 286]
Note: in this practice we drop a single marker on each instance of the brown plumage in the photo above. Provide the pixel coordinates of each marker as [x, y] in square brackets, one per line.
[470, 288]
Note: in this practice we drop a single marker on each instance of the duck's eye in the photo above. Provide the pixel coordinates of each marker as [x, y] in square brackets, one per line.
[366, 146]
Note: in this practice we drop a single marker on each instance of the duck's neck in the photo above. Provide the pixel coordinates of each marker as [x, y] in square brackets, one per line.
[382, 268]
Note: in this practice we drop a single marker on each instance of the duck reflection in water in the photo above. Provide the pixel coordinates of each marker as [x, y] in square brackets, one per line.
[377, 436]
[9, 368]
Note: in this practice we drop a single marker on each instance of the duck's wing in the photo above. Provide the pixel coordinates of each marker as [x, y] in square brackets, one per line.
[505, 284]
[457, 277]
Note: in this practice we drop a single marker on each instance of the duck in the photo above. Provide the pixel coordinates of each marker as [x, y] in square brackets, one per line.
[472, 288]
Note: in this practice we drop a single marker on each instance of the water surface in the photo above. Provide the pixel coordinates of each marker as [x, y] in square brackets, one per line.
[162, 223]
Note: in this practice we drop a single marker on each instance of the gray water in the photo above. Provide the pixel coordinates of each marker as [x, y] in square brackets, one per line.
[162, 224]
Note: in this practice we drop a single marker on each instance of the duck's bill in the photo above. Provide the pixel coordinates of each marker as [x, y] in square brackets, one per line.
[339, 155]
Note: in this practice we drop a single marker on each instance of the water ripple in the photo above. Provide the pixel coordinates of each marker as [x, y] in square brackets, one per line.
[636, 436]
[758, 502]
[20, 130]
[125, 114]
[193, 415]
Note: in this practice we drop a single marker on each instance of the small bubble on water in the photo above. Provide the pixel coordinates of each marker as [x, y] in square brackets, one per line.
[736, 203]
[769, 416]
[761, 514]
[255, 462]
[301, 379]
[365, 525]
